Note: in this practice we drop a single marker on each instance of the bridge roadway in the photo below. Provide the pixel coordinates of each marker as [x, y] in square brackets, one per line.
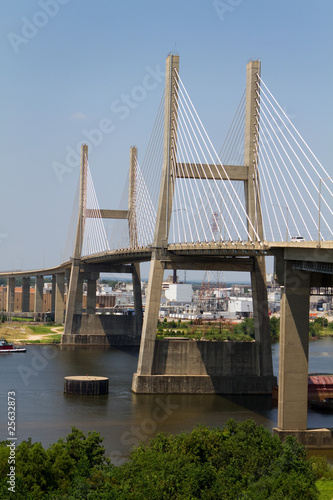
[235, 256]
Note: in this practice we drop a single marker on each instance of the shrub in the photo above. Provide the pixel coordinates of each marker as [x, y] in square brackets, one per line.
[238, 461]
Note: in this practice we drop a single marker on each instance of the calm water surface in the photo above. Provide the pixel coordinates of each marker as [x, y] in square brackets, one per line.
[45, 413]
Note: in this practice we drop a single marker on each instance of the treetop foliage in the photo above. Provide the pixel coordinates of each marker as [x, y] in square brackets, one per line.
[238, 461]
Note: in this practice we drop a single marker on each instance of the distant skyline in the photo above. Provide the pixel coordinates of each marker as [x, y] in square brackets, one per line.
[77, 71]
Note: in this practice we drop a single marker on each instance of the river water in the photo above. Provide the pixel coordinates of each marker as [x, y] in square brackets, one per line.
[45, 413]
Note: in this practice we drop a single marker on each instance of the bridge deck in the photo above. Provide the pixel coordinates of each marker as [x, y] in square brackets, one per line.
[173, 252]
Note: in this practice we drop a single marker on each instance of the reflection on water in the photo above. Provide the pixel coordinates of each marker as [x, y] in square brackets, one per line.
[45, 413]
[320, 356]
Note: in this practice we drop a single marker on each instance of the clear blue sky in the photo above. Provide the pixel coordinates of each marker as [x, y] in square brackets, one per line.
[64, 62]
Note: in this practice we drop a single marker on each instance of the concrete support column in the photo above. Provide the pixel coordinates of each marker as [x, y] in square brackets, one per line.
[79, 295]
[73, 297]
[91, 296]
[10, 295]
[294, 350]
[53, 294]
[67, 280]
[39, 294]
[59, 298]
[75, 289]
[261, 317]
[25, 294]
[255, 223]
[154, 290]
[133, 232]
[136, 278]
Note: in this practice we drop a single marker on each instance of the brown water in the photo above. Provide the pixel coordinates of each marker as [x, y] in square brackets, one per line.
[45, 414]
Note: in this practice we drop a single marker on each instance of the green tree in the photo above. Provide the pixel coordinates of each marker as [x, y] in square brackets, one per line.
[321, 321]
[246, 327]
[314, 329]
[241, 460]
[65, 467]
[238, 461]
[274, 325]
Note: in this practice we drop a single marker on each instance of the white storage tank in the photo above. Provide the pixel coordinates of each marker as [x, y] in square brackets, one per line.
[240, 305]
[179, 292]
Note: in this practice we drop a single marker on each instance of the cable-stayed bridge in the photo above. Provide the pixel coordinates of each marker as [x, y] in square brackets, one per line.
[191, 207]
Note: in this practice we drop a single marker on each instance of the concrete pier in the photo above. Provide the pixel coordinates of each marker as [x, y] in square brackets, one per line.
[102, 330]
[39, 294]
[53, 293]
[59, 307]
[10, 306]
[25, 294]
[91, 295]
[294, 347]
[71, 296]
[294, 350]
[204, 367]
[79, 294]
[86, 385]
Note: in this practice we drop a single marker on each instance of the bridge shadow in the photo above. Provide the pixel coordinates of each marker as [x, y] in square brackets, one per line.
[211, 367]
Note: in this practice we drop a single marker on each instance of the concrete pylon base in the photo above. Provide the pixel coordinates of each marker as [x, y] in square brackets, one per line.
[201, 384]
[103, 340]
[321, 439]
[91, 329]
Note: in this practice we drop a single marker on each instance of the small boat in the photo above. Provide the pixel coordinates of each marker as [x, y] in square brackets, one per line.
[9, 347]
[325, 405]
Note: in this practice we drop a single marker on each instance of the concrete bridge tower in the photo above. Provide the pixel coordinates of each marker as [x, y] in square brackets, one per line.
[75, 289]
[202, 367]
[146, 357]
[96, 329]
[253, 209]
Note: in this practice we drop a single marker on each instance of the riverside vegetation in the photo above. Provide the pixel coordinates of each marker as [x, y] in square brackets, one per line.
[19, 329]
[241, 332]
[237, 461]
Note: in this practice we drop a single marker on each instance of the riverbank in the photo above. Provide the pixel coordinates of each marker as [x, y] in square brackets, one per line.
[24, 333]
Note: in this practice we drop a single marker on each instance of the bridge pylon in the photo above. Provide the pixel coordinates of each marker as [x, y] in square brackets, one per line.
[84, 326]
[255, 220]
[133, 236]
[146, 356]
[201, 367]
[75, 289]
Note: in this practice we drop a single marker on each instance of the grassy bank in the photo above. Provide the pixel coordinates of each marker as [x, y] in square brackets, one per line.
[27, 333]
[30, 332]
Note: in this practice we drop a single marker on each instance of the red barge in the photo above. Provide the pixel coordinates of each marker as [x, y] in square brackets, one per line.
[320, 386]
